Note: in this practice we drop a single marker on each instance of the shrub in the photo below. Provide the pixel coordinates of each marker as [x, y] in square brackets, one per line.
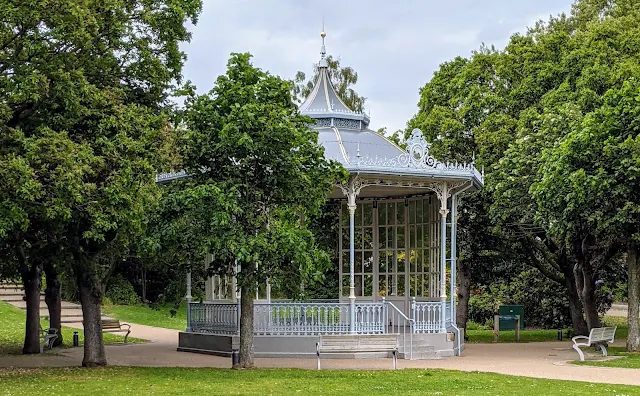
[545, 304]
[121, 292]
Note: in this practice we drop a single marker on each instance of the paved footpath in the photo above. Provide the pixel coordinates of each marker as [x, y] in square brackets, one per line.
[538, 360]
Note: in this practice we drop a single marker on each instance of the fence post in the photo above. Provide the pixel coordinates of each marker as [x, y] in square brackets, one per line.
[385, 316]
[188, 298]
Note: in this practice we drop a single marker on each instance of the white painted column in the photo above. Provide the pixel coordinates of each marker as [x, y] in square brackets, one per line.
[443, 256]
[352, 286]
[454, 269]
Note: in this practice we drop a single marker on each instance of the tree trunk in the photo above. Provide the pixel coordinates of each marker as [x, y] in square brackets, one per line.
[53, 300]
[32, 282]
[575, 304]
[633, 266]
[588, 296]
[90, 298]
[246, 329]
[464, 294]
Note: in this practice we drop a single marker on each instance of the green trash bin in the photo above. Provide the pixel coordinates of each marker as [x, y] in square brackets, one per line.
[511, 310]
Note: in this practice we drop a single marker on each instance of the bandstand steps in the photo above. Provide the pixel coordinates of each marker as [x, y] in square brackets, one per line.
[421, 352]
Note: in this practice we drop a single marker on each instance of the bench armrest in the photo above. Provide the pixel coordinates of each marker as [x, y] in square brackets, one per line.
[125, 324]
[580, 337]
[318, 348]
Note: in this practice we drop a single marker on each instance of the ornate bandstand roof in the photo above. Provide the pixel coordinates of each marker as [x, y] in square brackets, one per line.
[346, 138]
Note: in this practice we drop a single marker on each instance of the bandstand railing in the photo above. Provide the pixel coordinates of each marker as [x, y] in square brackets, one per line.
[427, 316]
[315, 318]
[219, 318]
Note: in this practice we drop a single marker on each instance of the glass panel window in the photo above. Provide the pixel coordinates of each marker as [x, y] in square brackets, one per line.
[368, 285]
[400, 237]
[368, 262]
[401, 289]
[382, 286]
[345, 286]
[382, 237]
[382, 213]
[367, 209]
[400, 213]
[368, 238]
[358, 262]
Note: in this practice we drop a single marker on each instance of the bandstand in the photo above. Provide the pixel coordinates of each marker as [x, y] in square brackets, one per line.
[397, 249]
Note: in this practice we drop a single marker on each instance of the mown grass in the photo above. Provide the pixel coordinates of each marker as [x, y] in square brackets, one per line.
[12, 327]
[190, 381]
[145, 315]
[537, 335]
[626, 360]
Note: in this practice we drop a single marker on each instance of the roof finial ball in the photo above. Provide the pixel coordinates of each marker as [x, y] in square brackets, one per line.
[323, 52]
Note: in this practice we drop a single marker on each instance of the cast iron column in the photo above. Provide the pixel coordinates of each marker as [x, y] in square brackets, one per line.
[454, 269]
[352, 287]
[443, 257]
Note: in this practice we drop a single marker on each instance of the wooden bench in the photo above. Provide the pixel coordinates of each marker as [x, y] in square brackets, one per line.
[358, 343]
[114, 326]
[48, 337]
[598, 336]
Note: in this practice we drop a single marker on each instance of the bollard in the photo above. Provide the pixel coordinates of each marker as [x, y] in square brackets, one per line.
[559, 334]
[76, 339]
[235, 357]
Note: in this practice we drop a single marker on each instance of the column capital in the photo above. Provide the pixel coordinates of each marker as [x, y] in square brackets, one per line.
[444, 212]
[352, 208]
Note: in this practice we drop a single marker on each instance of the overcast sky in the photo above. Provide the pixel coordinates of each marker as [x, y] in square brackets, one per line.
[394, 46]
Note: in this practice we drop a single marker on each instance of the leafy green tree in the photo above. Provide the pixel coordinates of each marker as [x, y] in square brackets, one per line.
[82, 102]
[247, 139]
[343, 79]
[588, 185]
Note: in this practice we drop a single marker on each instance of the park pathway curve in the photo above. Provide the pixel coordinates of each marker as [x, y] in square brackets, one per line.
[539, 360]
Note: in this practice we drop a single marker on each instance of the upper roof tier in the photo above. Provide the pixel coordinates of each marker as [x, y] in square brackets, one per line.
[324, 104]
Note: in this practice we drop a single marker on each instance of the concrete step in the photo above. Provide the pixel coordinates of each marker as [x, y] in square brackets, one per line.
[420, 356]
[23, 305]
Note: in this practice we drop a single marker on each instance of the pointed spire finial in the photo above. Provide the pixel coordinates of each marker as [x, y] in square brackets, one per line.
[323, 52]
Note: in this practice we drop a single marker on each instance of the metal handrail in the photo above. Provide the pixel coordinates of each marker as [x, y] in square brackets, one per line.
[405, 319]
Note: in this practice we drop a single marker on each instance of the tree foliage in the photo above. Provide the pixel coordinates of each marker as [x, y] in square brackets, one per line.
[539, 116]
[343, 79]
[247, 141]
[83, 90]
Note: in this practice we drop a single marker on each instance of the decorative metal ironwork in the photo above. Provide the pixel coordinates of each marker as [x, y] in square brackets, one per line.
[323, 122]
[427, 316]
[300, 319]
[346, 123]
[416, 157]
[213, 318]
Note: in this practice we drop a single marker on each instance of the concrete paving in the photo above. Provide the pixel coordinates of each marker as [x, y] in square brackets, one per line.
[539, 360]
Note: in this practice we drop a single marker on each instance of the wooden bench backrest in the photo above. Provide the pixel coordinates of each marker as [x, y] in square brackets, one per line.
[349, 342]
[602, 334]
[110, 324]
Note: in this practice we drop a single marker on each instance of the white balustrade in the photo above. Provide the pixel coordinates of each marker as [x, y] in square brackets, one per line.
[426, 316]
[216, 318]
[301, 318]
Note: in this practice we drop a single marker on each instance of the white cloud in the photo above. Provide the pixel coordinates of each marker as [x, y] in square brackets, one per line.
[394, 46]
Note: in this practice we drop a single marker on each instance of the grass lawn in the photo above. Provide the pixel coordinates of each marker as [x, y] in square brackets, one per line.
[191, 381]
[630, 360]
[12, 323]
[535, 335]
[144, 315]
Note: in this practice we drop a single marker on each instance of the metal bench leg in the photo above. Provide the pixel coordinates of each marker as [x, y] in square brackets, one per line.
[318, 356]
[579, 351]
[603, 349]
[395, 360]
[126, 336]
